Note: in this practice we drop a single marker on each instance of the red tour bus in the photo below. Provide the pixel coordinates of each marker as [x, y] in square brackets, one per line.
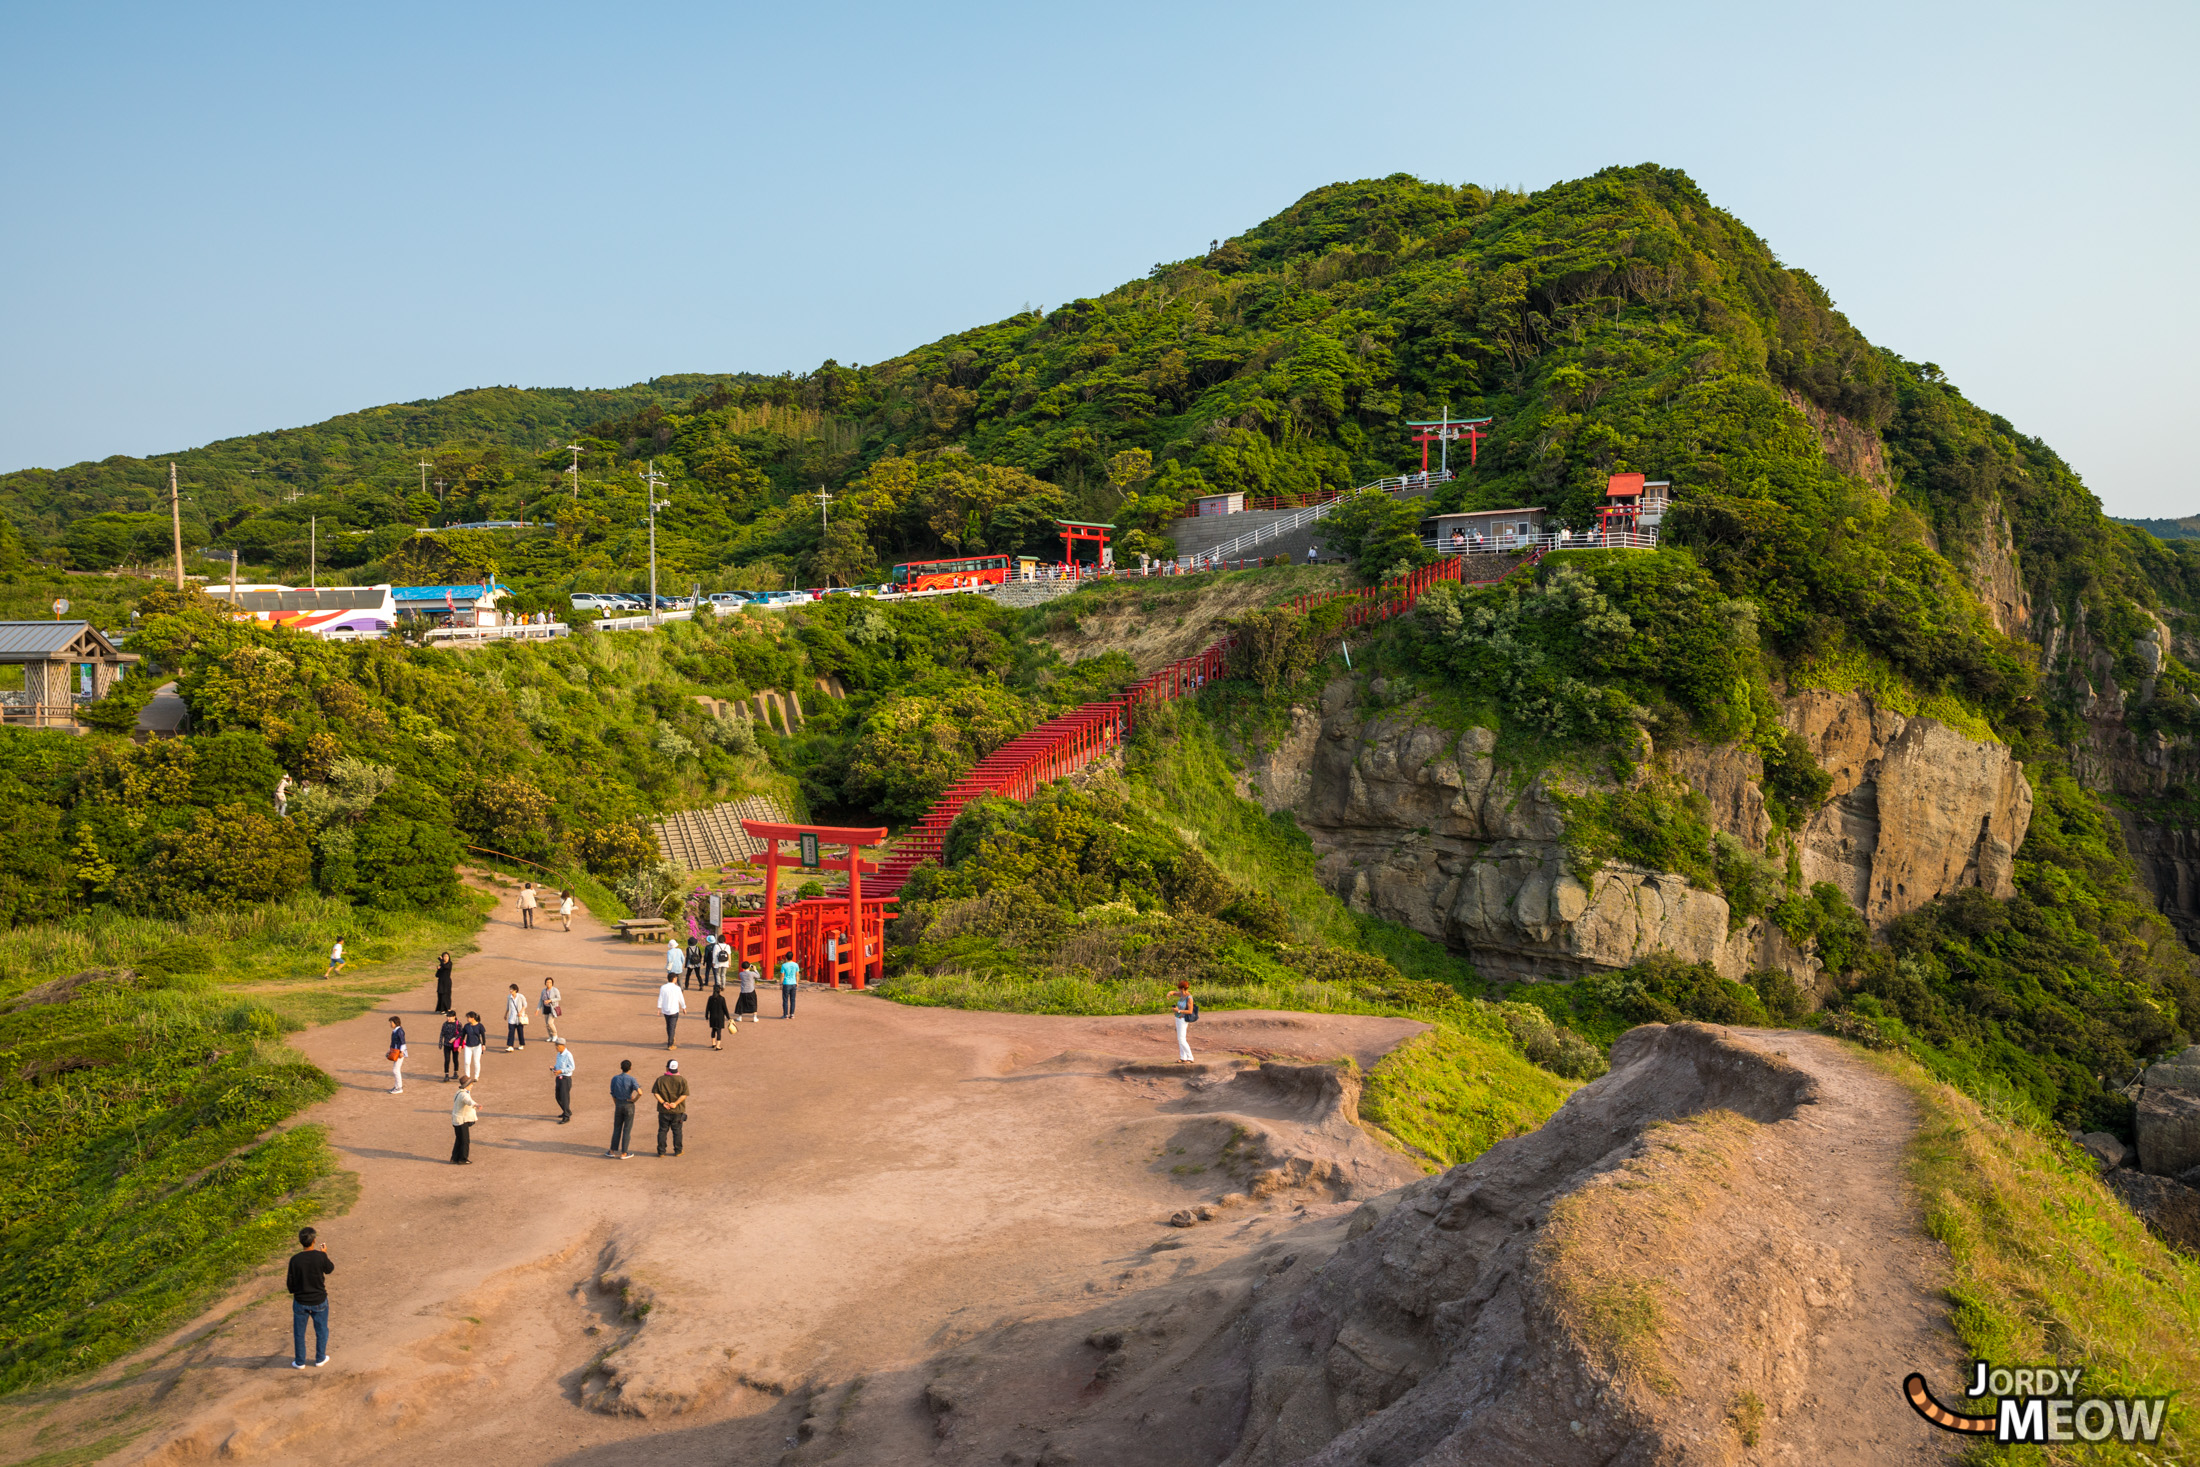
[941, 575]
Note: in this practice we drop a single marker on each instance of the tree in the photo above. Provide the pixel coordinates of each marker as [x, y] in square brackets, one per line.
[227, 857]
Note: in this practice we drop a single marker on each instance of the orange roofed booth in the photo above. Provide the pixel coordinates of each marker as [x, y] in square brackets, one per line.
[835, 940]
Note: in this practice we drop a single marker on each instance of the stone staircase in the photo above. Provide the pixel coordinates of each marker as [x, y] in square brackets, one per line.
[700, 840]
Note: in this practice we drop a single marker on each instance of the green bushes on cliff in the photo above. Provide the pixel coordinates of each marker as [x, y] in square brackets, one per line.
[2053, 998]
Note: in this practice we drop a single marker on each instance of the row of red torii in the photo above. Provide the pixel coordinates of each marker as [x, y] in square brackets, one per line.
[840, 939]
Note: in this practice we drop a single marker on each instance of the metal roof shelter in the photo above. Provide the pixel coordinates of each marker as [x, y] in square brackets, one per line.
[49, 652]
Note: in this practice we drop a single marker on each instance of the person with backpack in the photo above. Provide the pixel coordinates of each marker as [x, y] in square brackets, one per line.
[1187, 1014]
[694, 964]
[476, 1039]
[721, 962]
[397, 1055]
[452, 1041]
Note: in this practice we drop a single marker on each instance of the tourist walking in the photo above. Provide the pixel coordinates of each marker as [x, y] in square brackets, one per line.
[744, 1002]
[452, 1041]
[335, 959]
[790, 973]
[397, 1055]
[562, 1067]
[693, 959]
[625, 1089]
[565, 910]
[443, 985]
[675, 960]
[476, 1035]
[716, 1014]
[721, 962]
[1187, 1014]
[515, 1020]
[552, 1003]
[307, 1281]
[671, 1091]
[671, 1002]
[463, 1116]
[527, 904]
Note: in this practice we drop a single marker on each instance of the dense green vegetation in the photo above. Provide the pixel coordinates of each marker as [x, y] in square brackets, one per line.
[1836, 506]
[143, 1087]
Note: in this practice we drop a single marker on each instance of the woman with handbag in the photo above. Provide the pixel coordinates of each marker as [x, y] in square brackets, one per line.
[443, 986]
[452, 1041]
[463, 1116]
[515, 1020]
[717, 1015]
[397, 1055]
[1187, 1014]
[553, 1004]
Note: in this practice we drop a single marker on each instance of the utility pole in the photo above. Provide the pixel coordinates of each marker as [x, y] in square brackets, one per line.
[175, 520]
[823, 524]
[439, 495]
[313, 552]
[424, 466]
[576, 471]
[650, 481]
[232, 578]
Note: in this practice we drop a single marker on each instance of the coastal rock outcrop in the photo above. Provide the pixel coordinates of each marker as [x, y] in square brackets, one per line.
[1423, 825]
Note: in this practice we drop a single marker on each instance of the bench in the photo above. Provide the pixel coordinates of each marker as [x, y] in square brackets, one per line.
[641, 929]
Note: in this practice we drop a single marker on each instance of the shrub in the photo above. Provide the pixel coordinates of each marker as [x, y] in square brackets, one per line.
[228, 856]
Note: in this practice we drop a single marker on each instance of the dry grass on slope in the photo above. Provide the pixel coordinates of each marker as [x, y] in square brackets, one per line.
[1159, 619]
[2049, 1266]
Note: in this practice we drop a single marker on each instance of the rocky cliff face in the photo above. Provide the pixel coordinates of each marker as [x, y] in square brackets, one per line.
[1422, 825]
[1916, 810]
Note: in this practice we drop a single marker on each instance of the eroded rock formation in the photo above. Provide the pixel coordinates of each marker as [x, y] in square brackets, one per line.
[1423, 825]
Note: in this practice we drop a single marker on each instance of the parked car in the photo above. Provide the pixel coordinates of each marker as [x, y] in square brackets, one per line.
[588, 601]
[728, 600]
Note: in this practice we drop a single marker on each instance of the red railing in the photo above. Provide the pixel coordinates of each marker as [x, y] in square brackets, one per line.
[1066, 744]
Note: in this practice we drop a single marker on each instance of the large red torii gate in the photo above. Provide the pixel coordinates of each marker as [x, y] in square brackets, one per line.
[832, 938]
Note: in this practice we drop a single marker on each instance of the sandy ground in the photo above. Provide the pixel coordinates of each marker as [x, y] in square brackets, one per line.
[863, 1186]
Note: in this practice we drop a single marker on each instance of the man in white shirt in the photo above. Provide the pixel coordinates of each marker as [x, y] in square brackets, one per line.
[672, 1002]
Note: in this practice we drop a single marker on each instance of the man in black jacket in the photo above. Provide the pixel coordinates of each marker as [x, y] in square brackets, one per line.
[308, 1285]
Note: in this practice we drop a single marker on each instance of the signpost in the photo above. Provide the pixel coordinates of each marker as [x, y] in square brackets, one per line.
[809, 852]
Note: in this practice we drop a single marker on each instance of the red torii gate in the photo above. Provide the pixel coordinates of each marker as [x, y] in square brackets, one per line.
[832, 938]
[1077, 532]
[1443, 431]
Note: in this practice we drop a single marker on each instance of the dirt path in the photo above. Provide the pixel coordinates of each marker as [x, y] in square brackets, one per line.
[860, 1184]
[1840, 1163]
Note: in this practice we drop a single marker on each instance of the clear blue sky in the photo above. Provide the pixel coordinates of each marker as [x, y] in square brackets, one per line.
[226, 218]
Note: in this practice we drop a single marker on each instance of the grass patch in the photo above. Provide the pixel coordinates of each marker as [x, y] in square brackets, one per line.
[143, 1167]
[1452, 1095]
[2048, 1265]
[1605, 1246]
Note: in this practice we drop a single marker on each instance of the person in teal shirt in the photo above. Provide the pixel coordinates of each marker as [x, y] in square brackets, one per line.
[790, 973]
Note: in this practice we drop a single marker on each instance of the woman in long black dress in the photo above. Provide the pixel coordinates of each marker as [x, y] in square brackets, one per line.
[443, 986]
[718, 1015]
